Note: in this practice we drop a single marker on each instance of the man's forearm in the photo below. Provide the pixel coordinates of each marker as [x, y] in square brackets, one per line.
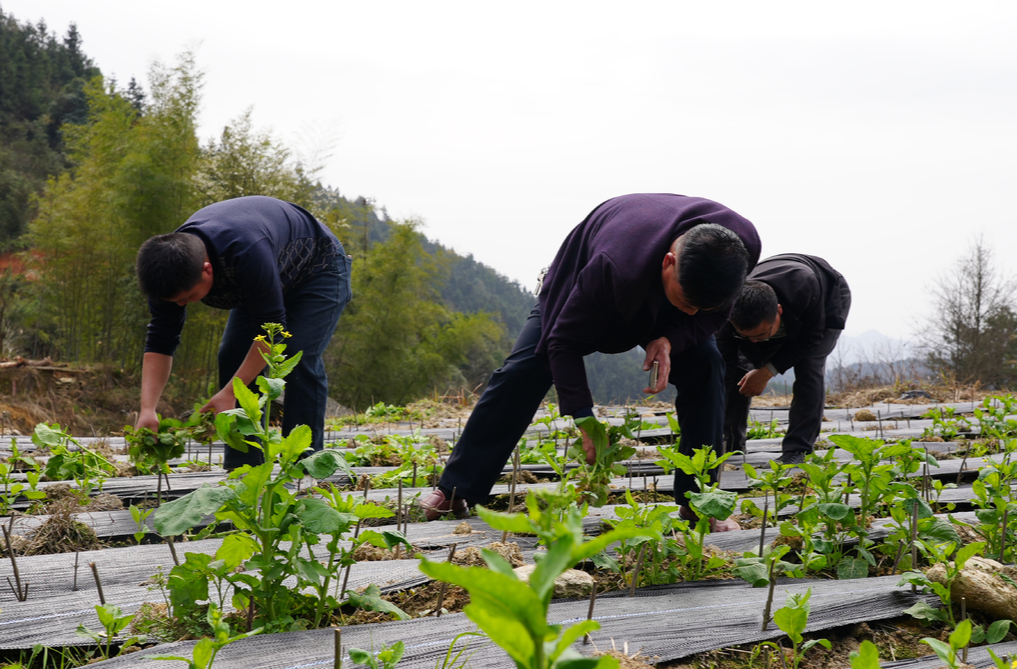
[155, 372]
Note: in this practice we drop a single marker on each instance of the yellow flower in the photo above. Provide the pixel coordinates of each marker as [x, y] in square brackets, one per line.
[286, 334]
[260, 338]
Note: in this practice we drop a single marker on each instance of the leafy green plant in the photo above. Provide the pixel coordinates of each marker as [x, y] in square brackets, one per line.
[760, 430]
[792, 620]
[13, 488]
[773, 482]
[139, 515]
[266, 512]
[206, 649]
[946, 423]
[513, 613]
[709, 502]
[757, 570]
[867, 656]
[386, 658]
[666, 559]
[940, 553]
[150, 451]
[949, 653]
[86, 467]
[113, 622]
[593, 481]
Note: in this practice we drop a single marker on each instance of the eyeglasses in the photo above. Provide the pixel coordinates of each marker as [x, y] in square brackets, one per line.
[772, 330]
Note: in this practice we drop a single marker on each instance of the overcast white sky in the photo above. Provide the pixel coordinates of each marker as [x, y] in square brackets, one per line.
[879, 135]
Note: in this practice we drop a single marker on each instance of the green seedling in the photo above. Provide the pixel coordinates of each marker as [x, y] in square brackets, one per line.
[664, 561]
[949, 653]
[709, 502]
[772, 482]
[12, 488]
[757, 570]
[792, 620]
[922, 611]
[139, 515]
[113, 622]
[206, 649]
[513, 613]
[593, 482]
[760, 430]
[867, 656]
[87, 468]
[386, 658]
[946, 423]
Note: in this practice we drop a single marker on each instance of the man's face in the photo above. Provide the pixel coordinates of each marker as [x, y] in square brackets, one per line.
[198, 290]
[673, 289]
[764, 330]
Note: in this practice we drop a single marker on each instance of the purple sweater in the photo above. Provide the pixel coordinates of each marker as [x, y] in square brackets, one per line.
[603, 292]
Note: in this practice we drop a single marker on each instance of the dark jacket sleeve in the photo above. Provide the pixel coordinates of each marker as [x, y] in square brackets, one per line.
[801, 296]
[589, 310]
[165, 327]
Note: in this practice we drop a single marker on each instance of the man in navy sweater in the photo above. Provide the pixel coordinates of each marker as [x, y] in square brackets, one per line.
[790, 314]
[651, 270]
[266, 261]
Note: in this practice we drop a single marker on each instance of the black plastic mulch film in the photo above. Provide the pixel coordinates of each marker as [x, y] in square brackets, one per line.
[667, 622]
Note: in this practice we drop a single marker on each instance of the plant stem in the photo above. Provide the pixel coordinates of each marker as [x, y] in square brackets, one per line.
[98, 583]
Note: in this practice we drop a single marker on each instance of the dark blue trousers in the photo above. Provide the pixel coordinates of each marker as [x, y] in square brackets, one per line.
[312, 312]
[515, 391]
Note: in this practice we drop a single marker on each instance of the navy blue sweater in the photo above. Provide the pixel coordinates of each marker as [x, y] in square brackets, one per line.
[603, 292]
[259, 247]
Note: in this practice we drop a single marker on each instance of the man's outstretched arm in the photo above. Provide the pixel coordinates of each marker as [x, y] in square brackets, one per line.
[155, 372]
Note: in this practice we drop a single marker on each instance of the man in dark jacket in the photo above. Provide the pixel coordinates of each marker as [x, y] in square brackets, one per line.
[790, 314]
[266, 261]
[657, 271]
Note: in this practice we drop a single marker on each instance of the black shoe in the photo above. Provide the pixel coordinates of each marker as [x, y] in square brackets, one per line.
[792, 457]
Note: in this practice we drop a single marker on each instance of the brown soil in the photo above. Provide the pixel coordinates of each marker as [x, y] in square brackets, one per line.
[896, 639]
[86, 400]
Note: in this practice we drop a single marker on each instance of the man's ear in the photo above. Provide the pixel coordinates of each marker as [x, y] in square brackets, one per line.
[780, 309]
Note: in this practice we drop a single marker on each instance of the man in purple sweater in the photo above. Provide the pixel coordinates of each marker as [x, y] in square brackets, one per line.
[652, 270]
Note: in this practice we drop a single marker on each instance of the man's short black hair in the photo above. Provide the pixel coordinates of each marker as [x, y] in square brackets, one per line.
[711, 265]
[756, 304]
[168, 265]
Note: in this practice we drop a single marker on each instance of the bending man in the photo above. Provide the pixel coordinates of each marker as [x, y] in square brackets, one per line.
[657, 271]
[267, 261]
[790, 314]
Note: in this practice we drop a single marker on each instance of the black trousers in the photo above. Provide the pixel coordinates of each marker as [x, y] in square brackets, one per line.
[809, 397]
[515, 391]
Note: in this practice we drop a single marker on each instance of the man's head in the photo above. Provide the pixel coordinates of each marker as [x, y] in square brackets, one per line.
[756, 313]
[174, 268]
[704, 269]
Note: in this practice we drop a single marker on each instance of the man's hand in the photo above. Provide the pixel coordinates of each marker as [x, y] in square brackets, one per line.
[660, 350]
[754, 383]
[149, 419]
[221, 401]
[588, 446]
